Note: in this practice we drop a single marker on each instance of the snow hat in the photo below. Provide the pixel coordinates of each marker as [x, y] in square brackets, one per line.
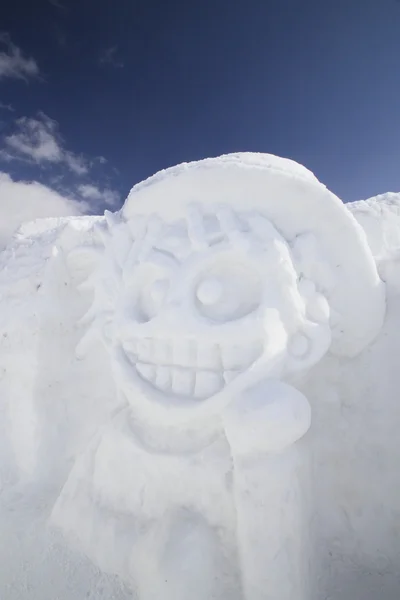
[317, 226]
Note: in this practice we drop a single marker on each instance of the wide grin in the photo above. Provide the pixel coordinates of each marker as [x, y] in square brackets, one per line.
[186, 367]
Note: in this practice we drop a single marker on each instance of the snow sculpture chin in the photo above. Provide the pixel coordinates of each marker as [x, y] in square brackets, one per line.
[220, 285]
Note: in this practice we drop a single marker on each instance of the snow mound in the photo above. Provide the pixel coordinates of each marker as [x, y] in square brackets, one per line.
[380, 218]
[22, 201]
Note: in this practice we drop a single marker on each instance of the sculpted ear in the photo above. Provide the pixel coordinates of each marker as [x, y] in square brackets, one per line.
[313, 338]
[345, 284]
[308, 345]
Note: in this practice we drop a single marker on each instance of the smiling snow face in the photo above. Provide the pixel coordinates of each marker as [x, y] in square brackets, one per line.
[204, 299]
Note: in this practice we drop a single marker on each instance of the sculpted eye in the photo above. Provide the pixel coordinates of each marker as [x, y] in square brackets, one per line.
[153, 288]
[209, 291]
[228, 292]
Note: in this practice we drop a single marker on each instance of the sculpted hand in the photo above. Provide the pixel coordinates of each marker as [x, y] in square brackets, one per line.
[265, 419]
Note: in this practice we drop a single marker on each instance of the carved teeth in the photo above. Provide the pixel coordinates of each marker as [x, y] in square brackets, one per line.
[144, 350]
[181, 353]
[182, 381]
[230, 376]
[190, 369]
[236, 357]
[207, 384]
[162, 352]
[147, 371]
[163, 378]
[208, 356]
[131, 349]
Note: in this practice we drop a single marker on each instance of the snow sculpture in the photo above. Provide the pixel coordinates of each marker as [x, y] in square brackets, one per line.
[219, 286]
[237, 300]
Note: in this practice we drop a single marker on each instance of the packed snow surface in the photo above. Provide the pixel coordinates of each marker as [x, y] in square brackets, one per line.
[198, 394]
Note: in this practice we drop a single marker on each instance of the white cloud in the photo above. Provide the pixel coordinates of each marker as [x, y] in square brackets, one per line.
[12, 62]
[76, 163]
[37, 143]
[92, 192]
[6, 107]
[22, 201]
[6, 156]
[108, 57]
[36, 139]
[40, 141]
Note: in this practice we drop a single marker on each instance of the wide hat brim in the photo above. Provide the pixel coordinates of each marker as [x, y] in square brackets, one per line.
[298, 205]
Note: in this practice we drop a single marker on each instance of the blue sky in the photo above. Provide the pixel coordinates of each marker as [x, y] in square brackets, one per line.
[97, 95]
